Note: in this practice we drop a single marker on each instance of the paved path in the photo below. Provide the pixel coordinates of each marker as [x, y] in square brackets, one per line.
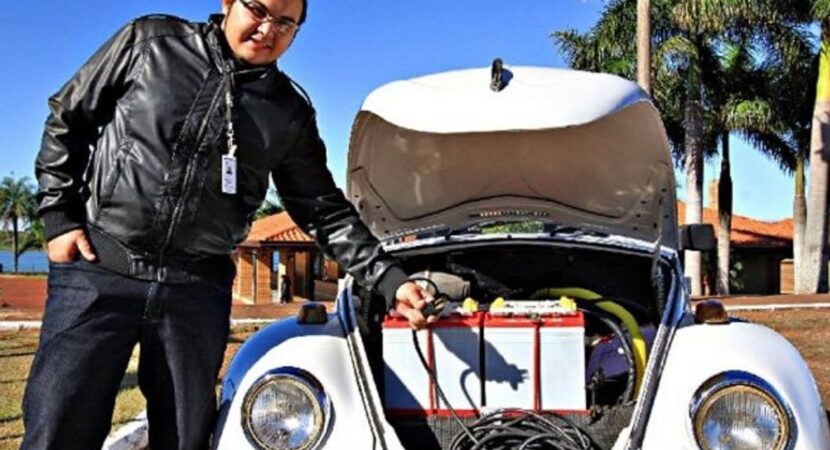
[762, 302]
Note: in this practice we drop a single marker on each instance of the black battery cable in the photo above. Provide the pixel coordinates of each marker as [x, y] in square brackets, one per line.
[625, 345]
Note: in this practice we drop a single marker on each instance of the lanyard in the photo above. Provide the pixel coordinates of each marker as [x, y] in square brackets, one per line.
[228, 174]
[229, 160]
[229, 114]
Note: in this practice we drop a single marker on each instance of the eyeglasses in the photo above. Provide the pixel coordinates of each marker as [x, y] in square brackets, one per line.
[283, 25]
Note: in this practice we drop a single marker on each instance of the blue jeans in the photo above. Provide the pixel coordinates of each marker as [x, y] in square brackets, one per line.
[93, 319]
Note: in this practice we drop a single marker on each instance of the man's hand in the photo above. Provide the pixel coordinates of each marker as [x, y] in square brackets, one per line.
[65, 248]
[410, 299]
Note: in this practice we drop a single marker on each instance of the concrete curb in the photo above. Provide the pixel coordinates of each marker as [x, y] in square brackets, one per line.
[132, 436]
[18, 325]
[777, 307]
[235, 322]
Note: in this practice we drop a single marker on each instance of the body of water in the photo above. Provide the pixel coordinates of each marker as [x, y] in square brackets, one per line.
[31, 261]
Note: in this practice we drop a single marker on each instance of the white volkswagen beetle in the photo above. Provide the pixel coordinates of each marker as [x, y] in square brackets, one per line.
[539, 207]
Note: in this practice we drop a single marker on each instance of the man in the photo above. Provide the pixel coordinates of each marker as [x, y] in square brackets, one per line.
[155, 156]
[285, 290]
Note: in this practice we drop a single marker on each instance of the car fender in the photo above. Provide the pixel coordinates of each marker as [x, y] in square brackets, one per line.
[699, 352]
[320, 350]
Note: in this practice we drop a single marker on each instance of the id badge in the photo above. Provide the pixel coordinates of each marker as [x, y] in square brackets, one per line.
[228, 174]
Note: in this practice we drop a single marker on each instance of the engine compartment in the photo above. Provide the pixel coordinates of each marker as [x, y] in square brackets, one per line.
[560, 331]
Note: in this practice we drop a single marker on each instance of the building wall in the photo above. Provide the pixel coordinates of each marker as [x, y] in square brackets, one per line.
[262, 294]
[331, 269]
[302, 274]
[244, 284]
[761, 272]
[260, 271]
[787, 276]
[754, 275]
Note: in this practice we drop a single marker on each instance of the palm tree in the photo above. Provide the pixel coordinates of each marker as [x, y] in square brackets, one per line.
[814, 266]
[644, 45]
[795, 108]
[686, 36]
[784, 30]
[708, 84]
[683, 36]
[748, 95]
[781, 33]
[17, 207]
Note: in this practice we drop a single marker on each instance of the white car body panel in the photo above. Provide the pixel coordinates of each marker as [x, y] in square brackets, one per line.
[460, 101]
[326, 356]
[699, 352]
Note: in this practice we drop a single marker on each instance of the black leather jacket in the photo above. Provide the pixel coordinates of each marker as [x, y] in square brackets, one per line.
[132, 152]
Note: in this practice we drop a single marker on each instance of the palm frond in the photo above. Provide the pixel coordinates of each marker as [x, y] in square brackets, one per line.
[577, 49]
[821, 9]
[752, 115]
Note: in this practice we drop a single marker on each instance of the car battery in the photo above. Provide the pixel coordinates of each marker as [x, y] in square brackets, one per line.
[534, 356]
[451, 347]
[456, 345]
[408, 389]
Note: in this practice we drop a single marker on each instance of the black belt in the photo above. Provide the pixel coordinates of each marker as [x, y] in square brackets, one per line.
[113, 256]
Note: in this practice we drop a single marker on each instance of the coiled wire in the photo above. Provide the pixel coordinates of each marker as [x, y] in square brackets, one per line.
[517, 429]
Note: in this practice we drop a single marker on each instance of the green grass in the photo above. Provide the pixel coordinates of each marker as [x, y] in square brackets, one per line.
[17, 349]
[16, 352]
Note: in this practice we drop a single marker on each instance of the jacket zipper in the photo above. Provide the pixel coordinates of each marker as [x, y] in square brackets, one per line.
[187, 180]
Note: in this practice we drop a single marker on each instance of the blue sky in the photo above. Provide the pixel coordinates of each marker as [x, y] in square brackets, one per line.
[347, 48]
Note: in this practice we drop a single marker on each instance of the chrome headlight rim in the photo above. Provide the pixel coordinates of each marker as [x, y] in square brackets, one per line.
[737, 378]
[306, 382]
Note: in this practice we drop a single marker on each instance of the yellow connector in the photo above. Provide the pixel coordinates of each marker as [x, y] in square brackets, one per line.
[568, 303]
[469, 305]
[498, 303]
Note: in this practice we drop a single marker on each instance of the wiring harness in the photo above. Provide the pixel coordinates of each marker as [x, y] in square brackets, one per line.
[513, 429]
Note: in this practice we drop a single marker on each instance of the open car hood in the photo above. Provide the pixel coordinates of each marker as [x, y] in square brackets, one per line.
[575, 148]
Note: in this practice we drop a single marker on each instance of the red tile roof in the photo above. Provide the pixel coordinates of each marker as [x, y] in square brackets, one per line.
[748, 232]
[276, 228]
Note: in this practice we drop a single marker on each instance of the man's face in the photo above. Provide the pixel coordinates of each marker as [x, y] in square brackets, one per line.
[253, 41]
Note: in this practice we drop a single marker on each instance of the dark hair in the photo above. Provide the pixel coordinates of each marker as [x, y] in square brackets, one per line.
[303, 14]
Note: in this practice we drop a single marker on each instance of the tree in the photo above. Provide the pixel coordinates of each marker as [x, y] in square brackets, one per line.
[814, 266]
[793, 97]
[747, 101]
[18, 207]
[781, 33]
[270, 206]
[644, 45]
[683, 36]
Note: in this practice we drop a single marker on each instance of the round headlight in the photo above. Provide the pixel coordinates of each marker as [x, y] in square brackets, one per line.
[739, 411]
[285, 410]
